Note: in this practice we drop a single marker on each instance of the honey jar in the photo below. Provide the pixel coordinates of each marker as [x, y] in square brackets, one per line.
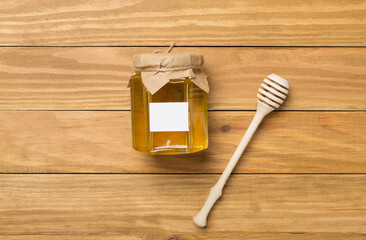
[169, 103]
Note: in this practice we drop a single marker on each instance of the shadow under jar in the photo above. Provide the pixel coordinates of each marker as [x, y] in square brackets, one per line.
[169, 103]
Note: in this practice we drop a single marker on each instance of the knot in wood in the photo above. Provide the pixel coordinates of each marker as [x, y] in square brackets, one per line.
[225, 128]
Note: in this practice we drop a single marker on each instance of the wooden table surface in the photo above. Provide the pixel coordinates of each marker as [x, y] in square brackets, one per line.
[67, 168]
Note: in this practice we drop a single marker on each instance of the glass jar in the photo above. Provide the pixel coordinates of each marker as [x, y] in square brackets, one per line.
[169, 103]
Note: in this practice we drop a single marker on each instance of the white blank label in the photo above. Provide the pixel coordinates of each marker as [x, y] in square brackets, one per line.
[169, 117]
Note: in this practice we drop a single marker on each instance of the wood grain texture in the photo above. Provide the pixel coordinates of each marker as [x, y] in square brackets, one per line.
[164, 204]
[198, 23]
[153, 197]
[100, 142]
[96, 78]
[197, 236]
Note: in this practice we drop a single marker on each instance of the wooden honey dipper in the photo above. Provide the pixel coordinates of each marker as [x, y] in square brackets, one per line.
[272, 93]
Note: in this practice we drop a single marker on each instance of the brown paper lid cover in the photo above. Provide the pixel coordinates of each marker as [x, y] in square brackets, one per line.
[158, 68]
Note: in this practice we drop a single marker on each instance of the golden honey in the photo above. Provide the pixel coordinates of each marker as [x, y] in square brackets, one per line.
[180, 90]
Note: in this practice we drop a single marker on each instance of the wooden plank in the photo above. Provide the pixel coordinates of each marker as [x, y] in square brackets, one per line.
[90, 204]
[96, 78]
[100, 142]
[203, 235]
[214, 23]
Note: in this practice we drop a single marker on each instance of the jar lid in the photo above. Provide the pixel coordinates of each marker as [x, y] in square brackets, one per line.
[158, 68]
[167, 61]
